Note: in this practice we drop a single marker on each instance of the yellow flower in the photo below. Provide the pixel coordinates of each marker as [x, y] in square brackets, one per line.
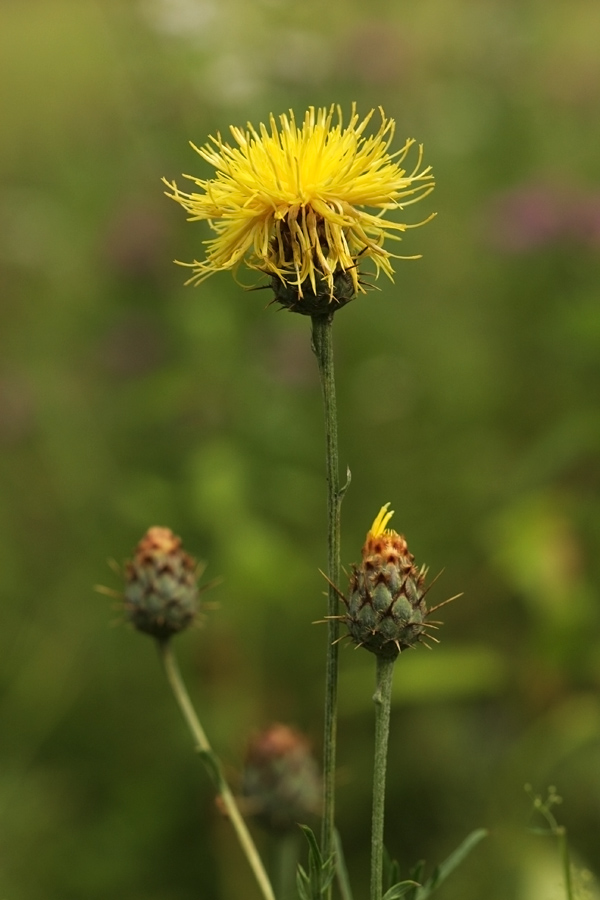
[291, 201]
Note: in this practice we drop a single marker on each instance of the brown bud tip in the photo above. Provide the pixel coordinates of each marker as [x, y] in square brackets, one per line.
[157, 540]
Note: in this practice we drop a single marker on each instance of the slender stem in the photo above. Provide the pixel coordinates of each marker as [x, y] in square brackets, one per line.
[285, 858]
[566, 861]
[383, 702]
[323, 347]
[213, 767]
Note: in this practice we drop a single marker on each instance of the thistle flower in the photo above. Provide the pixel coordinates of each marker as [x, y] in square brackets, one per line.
[290, 201]
[386, 610]
[281, 781]
[161, 591]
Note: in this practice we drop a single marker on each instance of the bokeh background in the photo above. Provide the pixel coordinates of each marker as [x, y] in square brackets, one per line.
[468, 394]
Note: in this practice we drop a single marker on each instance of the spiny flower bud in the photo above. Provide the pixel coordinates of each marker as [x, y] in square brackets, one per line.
[281, 781]
[161, 591]
[386, 611]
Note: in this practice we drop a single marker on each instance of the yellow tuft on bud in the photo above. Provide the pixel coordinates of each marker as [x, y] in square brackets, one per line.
[381, 520]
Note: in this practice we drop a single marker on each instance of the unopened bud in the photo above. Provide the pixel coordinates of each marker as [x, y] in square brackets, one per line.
[386, 611]
[161, 591]
[281, 781]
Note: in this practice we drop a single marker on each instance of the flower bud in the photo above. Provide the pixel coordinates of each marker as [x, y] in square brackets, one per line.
[281, 782]
[322, 300]
[161, 591]
[386, 610]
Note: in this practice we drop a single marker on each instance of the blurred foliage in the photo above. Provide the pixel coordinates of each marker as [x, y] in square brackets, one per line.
[468, 396]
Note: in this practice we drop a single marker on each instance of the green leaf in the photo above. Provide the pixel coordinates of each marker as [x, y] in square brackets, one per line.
[312, 885]
[340, 868]
[391, 871]
[441, 872]
[400, 889]
[416, 874]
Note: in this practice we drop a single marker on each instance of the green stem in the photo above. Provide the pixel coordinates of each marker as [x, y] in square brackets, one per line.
[566, 861]
[213, 766]
[323, 347]
[285, 858]
[383, 702]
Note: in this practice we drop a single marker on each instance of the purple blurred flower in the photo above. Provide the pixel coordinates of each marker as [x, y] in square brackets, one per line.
[537, 216]
[527, 217]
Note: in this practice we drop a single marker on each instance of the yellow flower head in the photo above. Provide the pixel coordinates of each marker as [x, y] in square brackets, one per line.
[290, 201]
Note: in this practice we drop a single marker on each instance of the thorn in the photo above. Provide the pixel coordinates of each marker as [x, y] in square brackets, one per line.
[258, 287]
[211, 584]
[449, 600]
[335, 588]
[431, 583]
[108, 592]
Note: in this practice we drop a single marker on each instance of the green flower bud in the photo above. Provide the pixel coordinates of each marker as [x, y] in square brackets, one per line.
[161, 591]
[281, 782]
[386, 611]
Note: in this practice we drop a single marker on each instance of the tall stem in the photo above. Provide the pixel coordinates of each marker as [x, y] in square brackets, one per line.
[323, 347]
[383, 702]
[213, 766]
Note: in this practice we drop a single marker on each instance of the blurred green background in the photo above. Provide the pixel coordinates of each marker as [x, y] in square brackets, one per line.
[468, 396]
